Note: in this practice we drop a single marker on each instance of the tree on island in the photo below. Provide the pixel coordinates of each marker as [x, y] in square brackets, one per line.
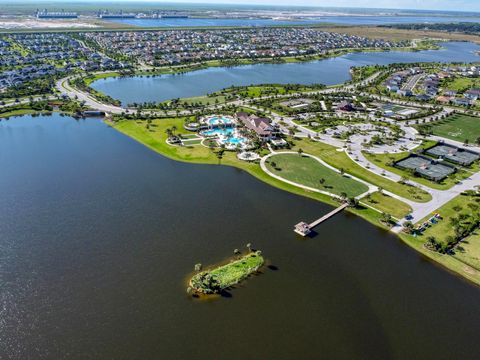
[198, 267]
[211, 283]
[249, 246]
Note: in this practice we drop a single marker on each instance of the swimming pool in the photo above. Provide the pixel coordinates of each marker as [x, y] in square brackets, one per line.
[227, 136]
[219, 121]
[219, 132]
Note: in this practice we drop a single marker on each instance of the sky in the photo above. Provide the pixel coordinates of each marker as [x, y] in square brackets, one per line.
[456, 5]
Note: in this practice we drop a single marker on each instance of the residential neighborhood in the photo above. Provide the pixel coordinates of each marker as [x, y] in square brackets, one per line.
[243, 179]
[27, 57]
[157, 48]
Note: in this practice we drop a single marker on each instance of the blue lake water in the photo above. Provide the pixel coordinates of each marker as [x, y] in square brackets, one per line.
[343, 20]
[99, 233]
[328, 72]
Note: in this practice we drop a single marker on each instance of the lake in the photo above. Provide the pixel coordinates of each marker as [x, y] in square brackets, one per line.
[328, 19]
[99, 233]
[330, 71]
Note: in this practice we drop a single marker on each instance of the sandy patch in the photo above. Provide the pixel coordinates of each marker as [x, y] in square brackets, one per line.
[469, 270]
[11, 24]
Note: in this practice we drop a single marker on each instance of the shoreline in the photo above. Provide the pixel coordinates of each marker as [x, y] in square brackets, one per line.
[446, 262]
[188, 68]
[330, 54]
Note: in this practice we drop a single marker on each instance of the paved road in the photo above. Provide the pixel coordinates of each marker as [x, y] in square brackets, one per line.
[64, 88]
[420, 210]
[20, 101]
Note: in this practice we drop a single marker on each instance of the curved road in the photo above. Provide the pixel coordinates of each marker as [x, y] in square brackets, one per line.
[420, 210]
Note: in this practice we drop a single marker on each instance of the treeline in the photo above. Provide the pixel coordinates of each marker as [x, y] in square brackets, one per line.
[34, 87]
[463, 27]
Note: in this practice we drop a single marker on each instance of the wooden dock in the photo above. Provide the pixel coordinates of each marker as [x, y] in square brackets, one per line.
[304, 228]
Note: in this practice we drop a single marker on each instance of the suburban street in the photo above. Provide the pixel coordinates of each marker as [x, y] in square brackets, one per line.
[420, 210]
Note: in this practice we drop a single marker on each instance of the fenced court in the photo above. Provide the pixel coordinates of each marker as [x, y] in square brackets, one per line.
[454, 154]
[426, 167]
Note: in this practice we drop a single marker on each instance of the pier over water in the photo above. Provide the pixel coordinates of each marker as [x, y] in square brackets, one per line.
[303, 228]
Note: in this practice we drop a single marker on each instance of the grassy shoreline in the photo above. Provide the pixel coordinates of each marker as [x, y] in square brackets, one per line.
[206, 156]
[178, 69]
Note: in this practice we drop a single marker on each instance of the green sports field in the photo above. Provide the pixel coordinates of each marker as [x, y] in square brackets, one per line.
[458, 127]
[308, 172]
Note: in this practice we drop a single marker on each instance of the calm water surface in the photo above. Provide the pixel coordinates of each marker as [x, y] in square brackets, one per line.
[329, 72]
[98, 234]
[329, 19]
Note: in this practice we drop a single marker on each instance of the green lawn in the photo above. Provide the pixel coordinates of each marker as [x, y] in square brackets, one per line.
[387, 204]
[340, 159]
[453, 263]
[468, 250]
[307, 171]
[462, 84]
[100, 76]
[453, 208]
[465, 262]
[192, 142]
[204, 100]
[154, 138]
[458, 127]
[19, 112]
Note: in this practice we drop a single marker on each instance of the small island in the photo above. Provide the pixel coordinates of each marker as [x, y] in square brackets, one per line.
[217, 279]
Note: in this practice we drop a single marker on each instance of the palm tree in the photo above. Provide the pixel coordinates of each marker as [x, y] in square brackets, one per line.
[386, 218]
[408, 226]
[431, 241]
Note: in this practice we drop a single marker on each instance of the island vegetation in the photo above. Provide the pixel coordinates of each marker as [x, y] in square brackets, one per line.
[219, 278]
[331, 143]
